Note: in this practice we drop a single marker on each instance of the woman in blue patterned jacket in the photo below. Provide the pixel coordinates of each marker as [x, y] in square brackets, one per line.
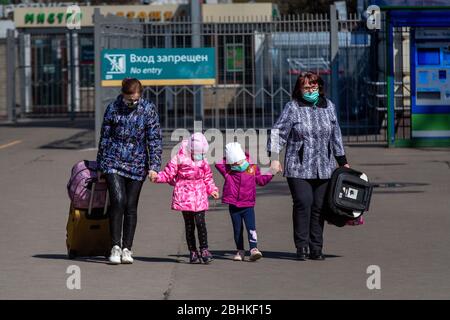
[309, 129]
[130, 148]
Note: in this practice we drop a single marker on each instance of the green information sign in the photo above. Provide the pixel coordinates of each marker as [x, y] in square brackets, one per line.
[159, 67]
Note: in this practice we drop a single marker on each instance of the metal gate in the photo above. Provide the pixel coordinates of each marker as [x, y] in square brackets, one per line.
[51, 67]
[257, 64]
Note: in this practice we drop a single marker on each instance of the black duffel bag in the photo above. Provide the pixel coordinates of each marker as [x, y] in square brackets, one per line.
[348, 196]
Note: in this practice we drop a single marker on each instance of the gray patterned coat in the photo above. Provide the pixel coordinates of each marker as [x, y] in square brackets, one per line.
[312, 137]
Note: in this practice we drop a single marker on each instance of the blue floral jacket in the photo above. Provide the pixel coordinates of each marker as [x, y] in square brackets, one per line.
[131, 141]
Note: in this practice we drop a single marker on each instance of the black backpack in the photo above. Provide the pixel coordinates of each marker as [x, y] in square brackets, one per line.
[347, 192]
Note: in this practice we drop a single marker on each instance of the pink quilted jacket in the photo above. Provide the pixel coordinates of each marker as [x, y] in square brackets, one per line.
[193, 181]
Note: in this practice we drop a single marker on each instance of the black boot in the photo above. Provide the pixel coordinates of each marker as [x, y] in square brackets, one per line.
[302, 253]
[316, 255]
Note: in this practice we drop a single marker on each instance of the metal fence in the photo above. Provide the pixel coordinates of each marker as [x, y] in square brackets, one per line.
[51, 66]
[257, 65]
[402, 82]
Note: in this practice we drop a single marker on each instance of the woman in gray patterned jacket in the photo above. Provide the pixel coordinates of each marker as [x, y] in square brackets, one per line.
[309, 129]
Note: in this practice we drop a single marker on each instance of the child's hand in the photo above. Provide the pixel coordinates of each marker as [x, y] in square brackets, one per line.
[215, 195]
[275, 167]
[152, 175]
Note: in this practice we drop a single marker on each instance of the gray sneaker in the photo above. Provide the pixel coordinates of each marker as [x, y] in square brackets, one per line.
[255, 254]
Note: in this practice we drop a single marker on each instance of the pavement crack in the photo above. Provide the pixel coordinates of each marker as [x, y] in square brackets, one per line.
[168, 292]
[39, 159]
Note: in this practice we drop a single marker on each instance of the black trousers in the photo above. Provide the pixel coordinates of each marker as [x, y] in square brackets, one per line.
[124, 196]
[308, 197]
[192, 220]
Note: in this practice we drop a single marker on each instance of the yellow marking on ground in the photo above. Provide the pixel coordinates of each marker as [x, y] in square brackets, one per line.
[3, 146]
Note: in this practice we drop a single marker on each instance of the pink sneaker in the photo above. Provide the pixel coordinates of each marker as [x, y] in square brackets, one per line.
[206, 256]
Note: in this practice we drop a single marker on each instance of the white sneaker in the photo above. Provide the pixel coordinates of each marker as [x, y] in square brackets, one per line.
[240, 256]
[255, 254]
[126, 256]
[116, 252]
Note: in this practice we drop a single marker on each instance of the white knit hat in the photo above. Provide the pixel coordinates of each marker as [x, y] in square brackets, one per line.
[234, 153]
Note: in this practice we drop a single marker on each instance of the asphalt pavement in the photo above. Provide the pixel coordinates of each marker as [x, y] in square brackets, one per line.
[406, 235]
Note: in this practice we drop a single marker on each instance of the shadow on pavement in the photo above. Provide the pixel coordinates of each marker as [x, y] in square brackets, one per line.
[228, 255]
[98, 259]
[156, 259]
[266, 254]
[78, 141]
[216, 256]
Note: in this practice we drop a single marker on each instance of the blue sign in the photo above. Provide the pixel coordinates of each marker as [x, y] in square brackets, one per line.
[159, 67]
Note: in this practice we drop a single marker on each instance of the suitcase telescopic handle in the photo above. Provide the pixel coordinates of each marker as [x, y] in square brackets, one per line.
[91, 200]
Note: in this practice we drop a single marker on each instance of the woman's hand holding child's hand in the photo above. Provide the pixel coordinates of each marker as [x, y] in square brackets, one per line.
[215, 195]
[275, 167]
[152, 175]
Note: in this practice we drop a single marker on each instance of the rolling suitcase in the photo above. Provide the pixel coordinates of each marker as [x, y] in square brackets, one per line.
[88, 230]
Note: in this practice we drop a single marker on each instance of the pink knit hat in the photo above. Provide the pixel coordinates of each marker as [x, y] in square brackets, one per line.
[197, 143]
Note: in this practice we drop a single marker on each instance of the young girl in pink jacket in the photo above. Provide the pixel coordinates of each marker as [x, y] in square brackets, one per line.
[190, 174]
[239, 192]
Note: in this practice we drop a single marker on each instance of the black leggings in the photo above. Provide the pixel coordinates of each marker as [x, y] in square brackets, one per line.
[308, 197]
[192, 219]
[124, 194]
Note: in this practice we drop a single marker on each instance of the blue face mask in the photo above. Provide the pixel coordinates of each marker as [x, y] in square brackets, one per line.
[197, 157]
[241, 168]
[312, 97]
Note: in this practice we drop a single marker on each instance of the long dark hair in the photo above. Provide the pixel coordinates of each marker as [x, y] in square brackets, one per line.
[313, 78]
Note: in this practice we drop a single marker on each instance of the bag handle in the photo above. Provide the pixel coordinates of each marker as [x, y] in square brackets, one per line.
[368, 196]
